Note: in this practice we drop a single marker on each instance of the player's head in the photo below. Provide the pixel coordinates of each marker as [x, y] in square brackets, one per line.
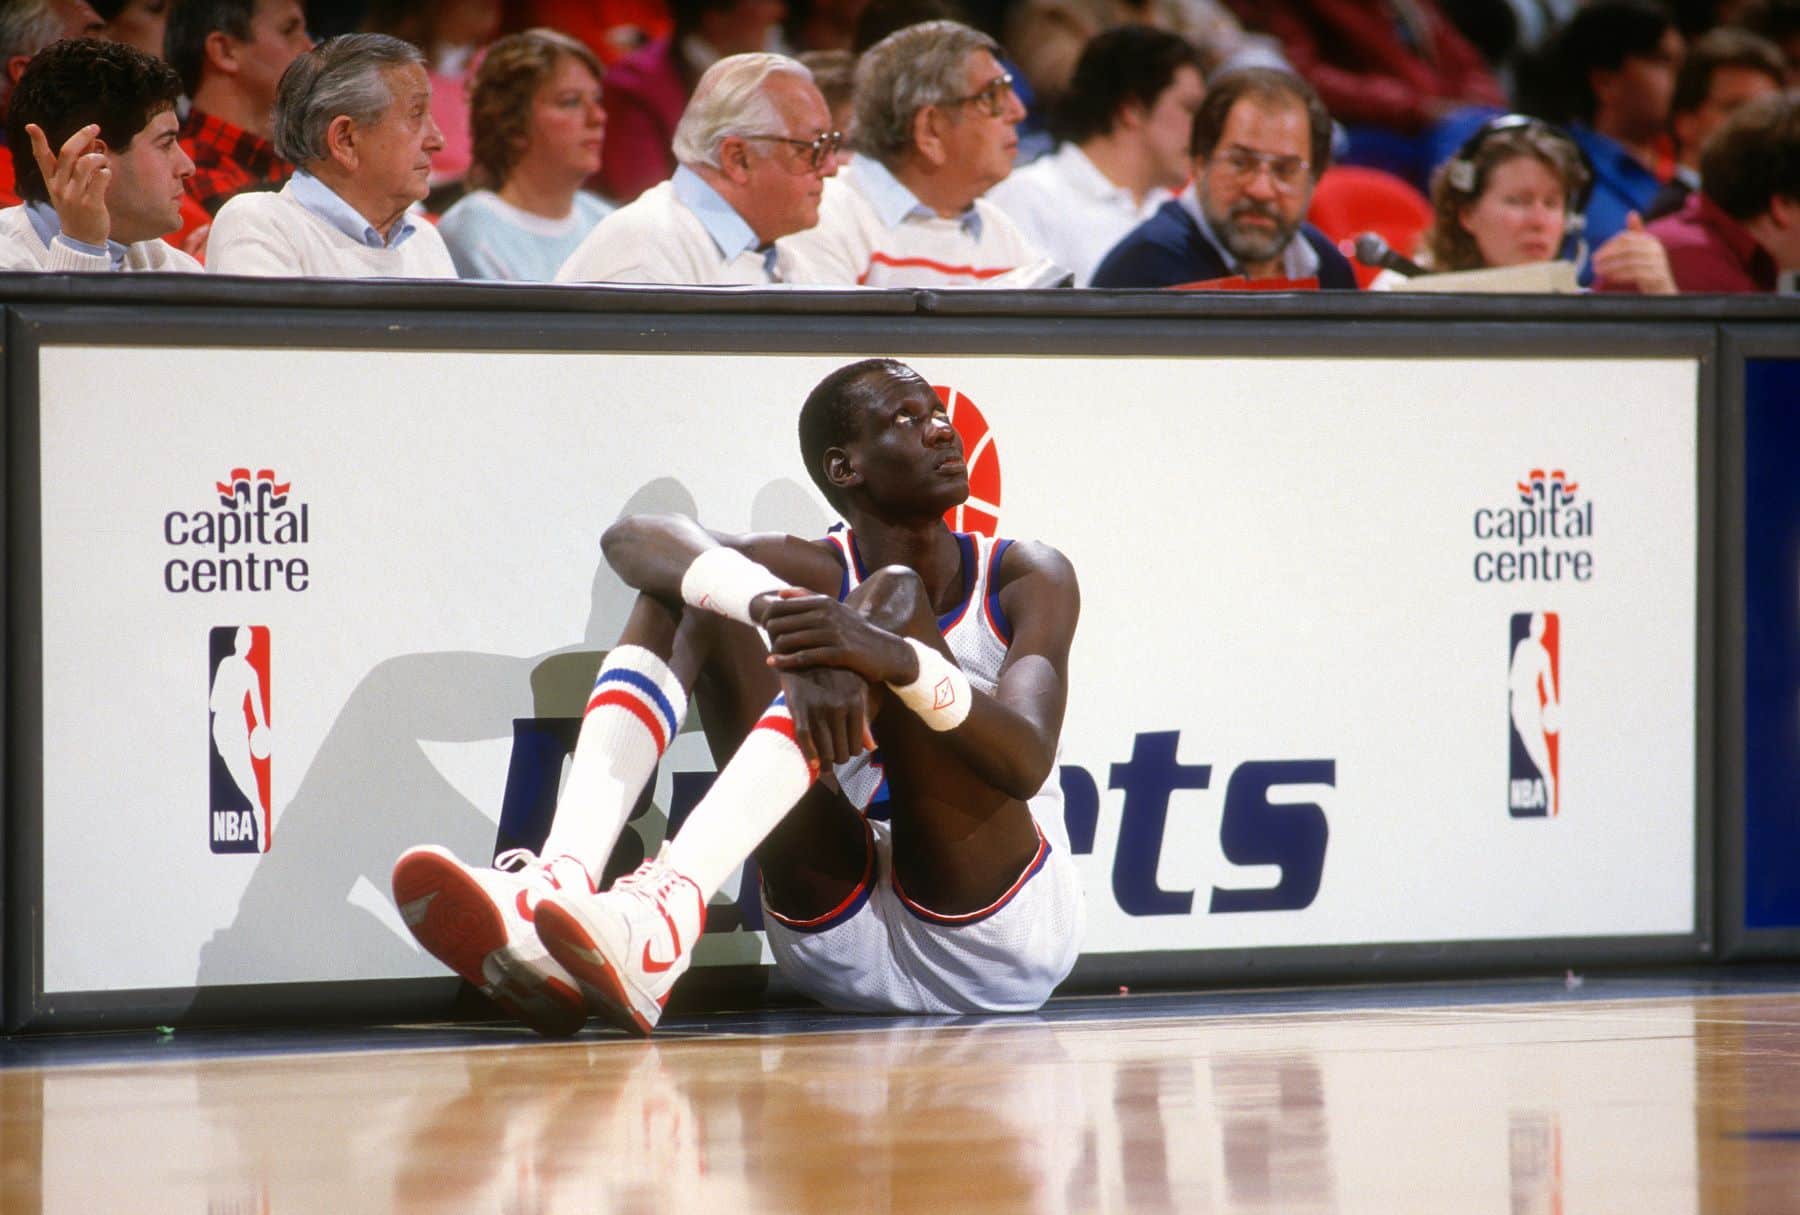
[875, 432]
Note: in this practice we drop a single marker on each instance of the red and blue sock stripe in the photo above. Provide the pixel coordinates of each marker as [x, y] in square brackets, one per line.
[639, 695]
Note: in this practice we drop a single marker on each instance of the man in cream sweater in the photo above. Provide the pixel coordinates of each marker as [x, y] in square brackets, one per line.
[754, 148]
[354, 114]
[92, 131]
[935, 130]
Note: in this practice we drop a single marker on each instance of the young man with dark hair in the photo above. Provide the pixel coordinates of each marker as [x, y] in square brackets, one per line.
[1740, 232]
[1616, 61]
[230, 55]
[91, 127]
[1722, 70]
[1261, 140]
[954, 893]
[1124, 123]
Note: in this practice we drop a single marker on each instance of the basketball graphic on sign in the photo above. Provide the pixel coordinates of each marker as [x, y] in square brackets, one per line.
[981, 513]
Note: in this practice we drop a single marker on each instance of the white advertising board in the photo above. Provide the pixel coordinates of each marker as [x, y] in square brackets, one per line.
[1372, 651]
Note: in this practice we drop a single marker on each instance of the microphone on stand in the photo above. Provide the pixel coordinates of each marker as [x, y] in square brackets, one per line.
[1372, 250]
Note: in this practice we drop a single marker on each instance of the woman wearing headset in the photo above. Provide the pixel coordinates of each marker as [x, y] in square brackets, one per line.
[1514, 194]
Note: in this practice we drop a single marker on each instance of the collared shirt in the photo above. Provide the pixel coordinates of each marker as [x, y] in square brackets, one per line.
[720, 219]
[228, 160]
[1710, 251]
[330, 206]
[893, 202]
[1621, 185]
[1298, 260]
[48, 225]
[1071, 210]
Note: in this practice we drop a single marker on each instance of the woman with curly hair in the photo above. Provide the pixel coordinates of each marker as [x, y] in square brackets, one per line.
[538, 130]
[1511, 197]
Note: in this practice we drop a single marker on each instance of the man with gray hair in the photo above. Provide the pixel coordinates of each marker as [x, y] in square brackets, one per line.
[753, 150]
[354, 114]
[935, 130]
[27, 27]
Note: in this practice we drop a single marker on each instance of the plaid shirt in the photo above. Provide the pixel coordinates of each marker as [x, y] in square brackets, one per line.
[228, 160]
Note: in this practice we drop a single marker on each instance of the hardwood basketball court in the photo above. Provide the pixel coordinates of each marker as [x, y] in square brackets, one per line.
[1651, 1095]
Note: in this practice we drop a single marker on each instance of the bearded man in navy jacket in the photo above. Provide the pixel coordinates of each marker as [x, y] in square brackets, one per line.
[1261, 140]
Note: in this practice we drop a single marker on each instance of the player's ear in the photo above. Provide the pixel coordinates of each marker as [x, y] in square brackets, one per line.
[839, 469]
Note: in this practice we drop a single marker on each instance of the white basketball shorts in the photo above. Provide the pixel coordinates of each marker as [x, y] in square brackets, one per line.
[881, 952]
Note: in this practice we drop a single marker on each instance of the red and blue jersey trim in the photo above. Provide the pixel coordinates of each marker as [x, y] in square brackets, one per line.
[970, 564]
[852, 903]
[1032, 869]
[996, 615]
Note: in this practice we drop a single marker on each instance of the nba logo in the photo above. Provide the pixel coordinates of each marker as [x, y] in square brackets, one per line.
[238, 749]
[1534, 701]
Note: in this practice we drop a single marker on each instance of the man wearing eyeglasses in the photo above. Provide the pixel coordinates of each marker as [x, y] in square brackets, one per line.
[1261, 139]
[936, 121]
[754, 147]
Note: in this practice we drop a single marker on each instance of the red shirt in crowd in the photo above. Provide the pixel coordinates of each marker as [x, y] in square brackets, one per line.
[228, 160]
[1710, 251]
[644, 95]
[1387, 63]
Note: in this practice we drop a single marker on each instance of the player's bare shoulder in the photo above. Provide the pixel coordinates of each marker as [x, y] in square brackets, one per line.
[1037, 580]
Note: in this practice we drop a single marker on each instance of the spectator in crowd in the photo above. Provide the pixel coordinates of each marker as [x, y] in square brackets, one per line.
[1617, 61]
[92, 128]
[1741, 230]
[27, 27]
[1261, 141]
[834, 72]
[647, 91]
[1722, 70]
[1779, 22]
[935, 117]
[354, 114]
[755, 146]
[822, 25]
[1047, 37]
[138, 23]
[1391, 71]
[612, 29]
[1125, 122]
[230, 55]
[539, 131]
[1512, 196]
[450, 33]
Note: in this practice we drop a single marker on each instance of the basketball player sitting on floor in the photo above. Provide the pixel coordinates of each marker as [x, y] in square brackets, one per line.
[956, 894]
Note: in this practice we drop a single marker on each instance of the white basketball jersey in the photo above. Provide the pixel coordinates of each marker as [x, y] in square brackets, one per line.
[979, 636]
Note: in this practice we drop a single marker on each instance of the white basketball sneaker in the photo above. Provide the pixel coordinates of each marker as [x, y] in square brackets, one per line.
[628, 946]
[478, 922]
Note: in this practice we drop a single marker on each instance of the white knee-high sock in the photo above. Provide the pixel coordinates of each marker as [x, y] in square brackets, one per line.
[755, 790]
[633, 713]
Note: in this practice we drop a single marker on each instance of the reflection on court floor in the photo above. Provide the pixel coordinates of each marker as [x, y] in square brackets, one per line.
[1374, 1099]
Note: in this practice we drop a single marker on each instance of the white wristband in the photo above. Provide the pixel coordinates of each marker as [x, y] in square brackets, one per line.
[940, 695]
[723, 580]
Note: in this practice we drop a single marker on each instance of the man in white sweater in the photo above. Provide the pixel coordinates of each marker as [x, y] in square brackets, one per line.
[754, 148]
[1124, 123]
[354, 114]
[935, 130]
[112, 187]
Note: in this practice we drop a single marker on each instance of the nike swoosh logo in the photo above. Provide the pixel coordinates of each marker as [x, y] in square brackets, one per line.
[525, 909]
[649, 963]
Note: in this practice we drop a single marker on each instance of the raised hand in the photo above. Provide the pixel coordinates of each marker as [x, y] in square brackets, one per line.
[77, 178]
[1634, 258]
